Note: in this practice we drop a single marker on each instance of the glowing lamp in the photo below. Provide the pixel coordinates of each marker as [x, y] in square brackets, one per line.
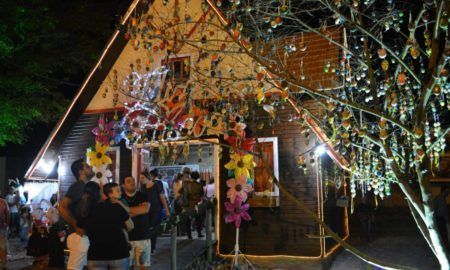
[46, 166]
[320, 150]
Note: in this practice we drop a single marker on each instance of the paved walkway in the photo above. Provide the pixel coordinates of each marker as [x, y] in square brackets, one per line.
[404, 250]
[187, 250]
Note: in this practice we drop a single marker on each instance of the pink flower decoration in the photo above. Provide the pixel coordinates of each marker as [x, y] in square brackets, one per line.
[236, 212]
[104, 131]
[238, 187]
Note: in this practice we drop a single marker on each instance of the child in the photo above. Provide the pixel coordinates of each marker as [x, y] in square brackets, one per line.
[38, 242]
[56, 239]
[25, 224]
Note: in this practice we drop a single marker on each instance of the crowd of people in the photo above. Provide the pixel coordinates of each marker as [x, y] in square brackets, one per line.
[111, 226]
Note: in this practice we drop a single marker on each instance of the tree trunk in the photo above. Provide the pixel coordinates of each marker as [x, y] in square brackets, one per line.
[430, 221]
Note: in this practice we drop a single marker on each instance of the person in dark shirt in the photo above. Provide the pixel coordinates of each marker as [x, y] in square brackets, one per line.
[104, 223]
[155, 193]
[140, 236]
[77, 242]
[192, 190]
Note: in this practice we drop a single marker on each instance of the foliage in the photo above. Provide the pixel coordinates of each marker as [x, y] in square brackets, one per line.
[43, 46]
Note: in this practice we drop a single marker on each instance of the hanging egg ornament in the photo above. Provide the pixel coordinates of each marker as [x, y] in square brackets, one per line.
[401, 79]
[382, 53]
[385, 65]
[278, 20]
[414, 52]
[134, 22]
[443, 22]
[436, 90]
[136, 44]
[236, 34]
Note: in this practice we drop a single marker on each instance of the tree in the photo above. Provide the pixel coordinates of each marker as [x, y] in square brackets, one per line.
[44, 45]
[388, 115]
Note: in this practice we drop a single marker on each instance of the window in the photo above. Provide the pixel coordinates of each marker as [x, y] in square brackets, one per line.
[179, 69]
[263, 181]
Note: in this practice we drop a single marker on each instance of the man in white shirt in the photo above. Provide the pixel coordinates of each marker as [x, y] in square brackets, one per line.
[13, 201]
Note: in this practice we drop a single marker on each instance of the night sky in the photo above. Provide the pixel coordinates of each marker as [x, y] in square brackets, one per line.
[84, 28]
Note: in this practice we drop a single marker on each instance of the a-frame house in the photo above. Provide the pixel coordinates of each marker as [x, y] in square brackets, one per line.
[278, 228]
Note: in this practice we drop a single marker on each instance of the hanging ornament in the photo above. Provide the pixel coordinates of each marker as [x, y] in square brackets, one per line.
[200, 153]
[401, 79]
[186, 150]
[382, 53]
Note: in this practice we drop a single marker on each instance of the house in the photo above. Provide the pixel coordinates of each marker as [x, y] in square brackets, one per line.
[205, 76]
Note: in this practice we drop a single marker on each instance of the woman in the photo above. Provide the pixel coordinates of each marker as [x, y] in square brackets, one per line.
[104, 223]
[177, 183]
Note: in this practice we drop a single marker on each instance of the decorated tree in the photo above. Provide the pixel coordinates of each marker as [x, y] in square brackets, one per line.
[45, 49]
[386, 97]
[387, 111]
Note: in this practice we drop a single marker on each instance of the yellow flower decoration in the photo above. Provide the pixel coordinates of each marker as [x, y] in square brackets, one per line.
[97, 157]
[215, 125]
[241, 165]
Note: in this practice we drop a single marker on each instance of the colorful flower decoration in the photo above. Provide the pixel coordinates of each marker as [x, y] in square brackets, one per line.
[97, 157]
[215, 125]
[238, 188]
[241, 164]
[238, 143]
[101, 175]
[237, 211]
[104, 132]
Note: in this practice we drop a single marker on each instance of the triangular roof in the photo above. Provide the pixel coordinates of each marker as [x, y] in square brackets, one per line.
[49, 153]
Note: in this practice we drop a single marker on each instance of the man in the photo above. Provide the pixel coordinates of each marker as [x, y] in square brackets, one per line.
[441, 214]
[77, 241]
[13, 201]
[194, 194]
[155, 193]
[139, 237]
[4, 221]
[109, 248]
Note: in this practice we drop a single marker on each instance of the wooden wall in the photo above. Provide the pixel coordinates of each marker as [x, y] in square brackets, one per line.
[281, 230]
[75, 146]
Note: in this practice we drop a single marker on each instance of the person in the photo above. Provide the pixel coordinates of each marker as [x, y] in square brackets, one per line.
[441, 214]
[77, 241]
[56, 240]
[13, 203]
[25, 224]
[38, 245]
[163, 180]
[140, 236]
[366, 212]
[192, 189]
[104, 222]
[54, 199]
[165, 184]
[210, 196]
[4, 221]
[210, 190]
[177, 183]
[155, 193]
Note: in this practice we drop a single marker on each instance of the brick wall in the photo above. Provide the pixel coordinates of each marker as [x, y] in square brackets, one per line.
[318, 54]
[281, 230]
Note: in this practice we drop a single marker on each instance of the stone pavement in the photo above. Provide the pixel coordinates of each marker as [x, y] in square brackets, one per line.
[187, 251]
[406, 250]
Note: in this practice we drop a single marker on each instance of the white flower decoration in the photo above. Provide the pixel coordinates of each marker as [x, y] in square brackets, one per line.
[101, 175]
